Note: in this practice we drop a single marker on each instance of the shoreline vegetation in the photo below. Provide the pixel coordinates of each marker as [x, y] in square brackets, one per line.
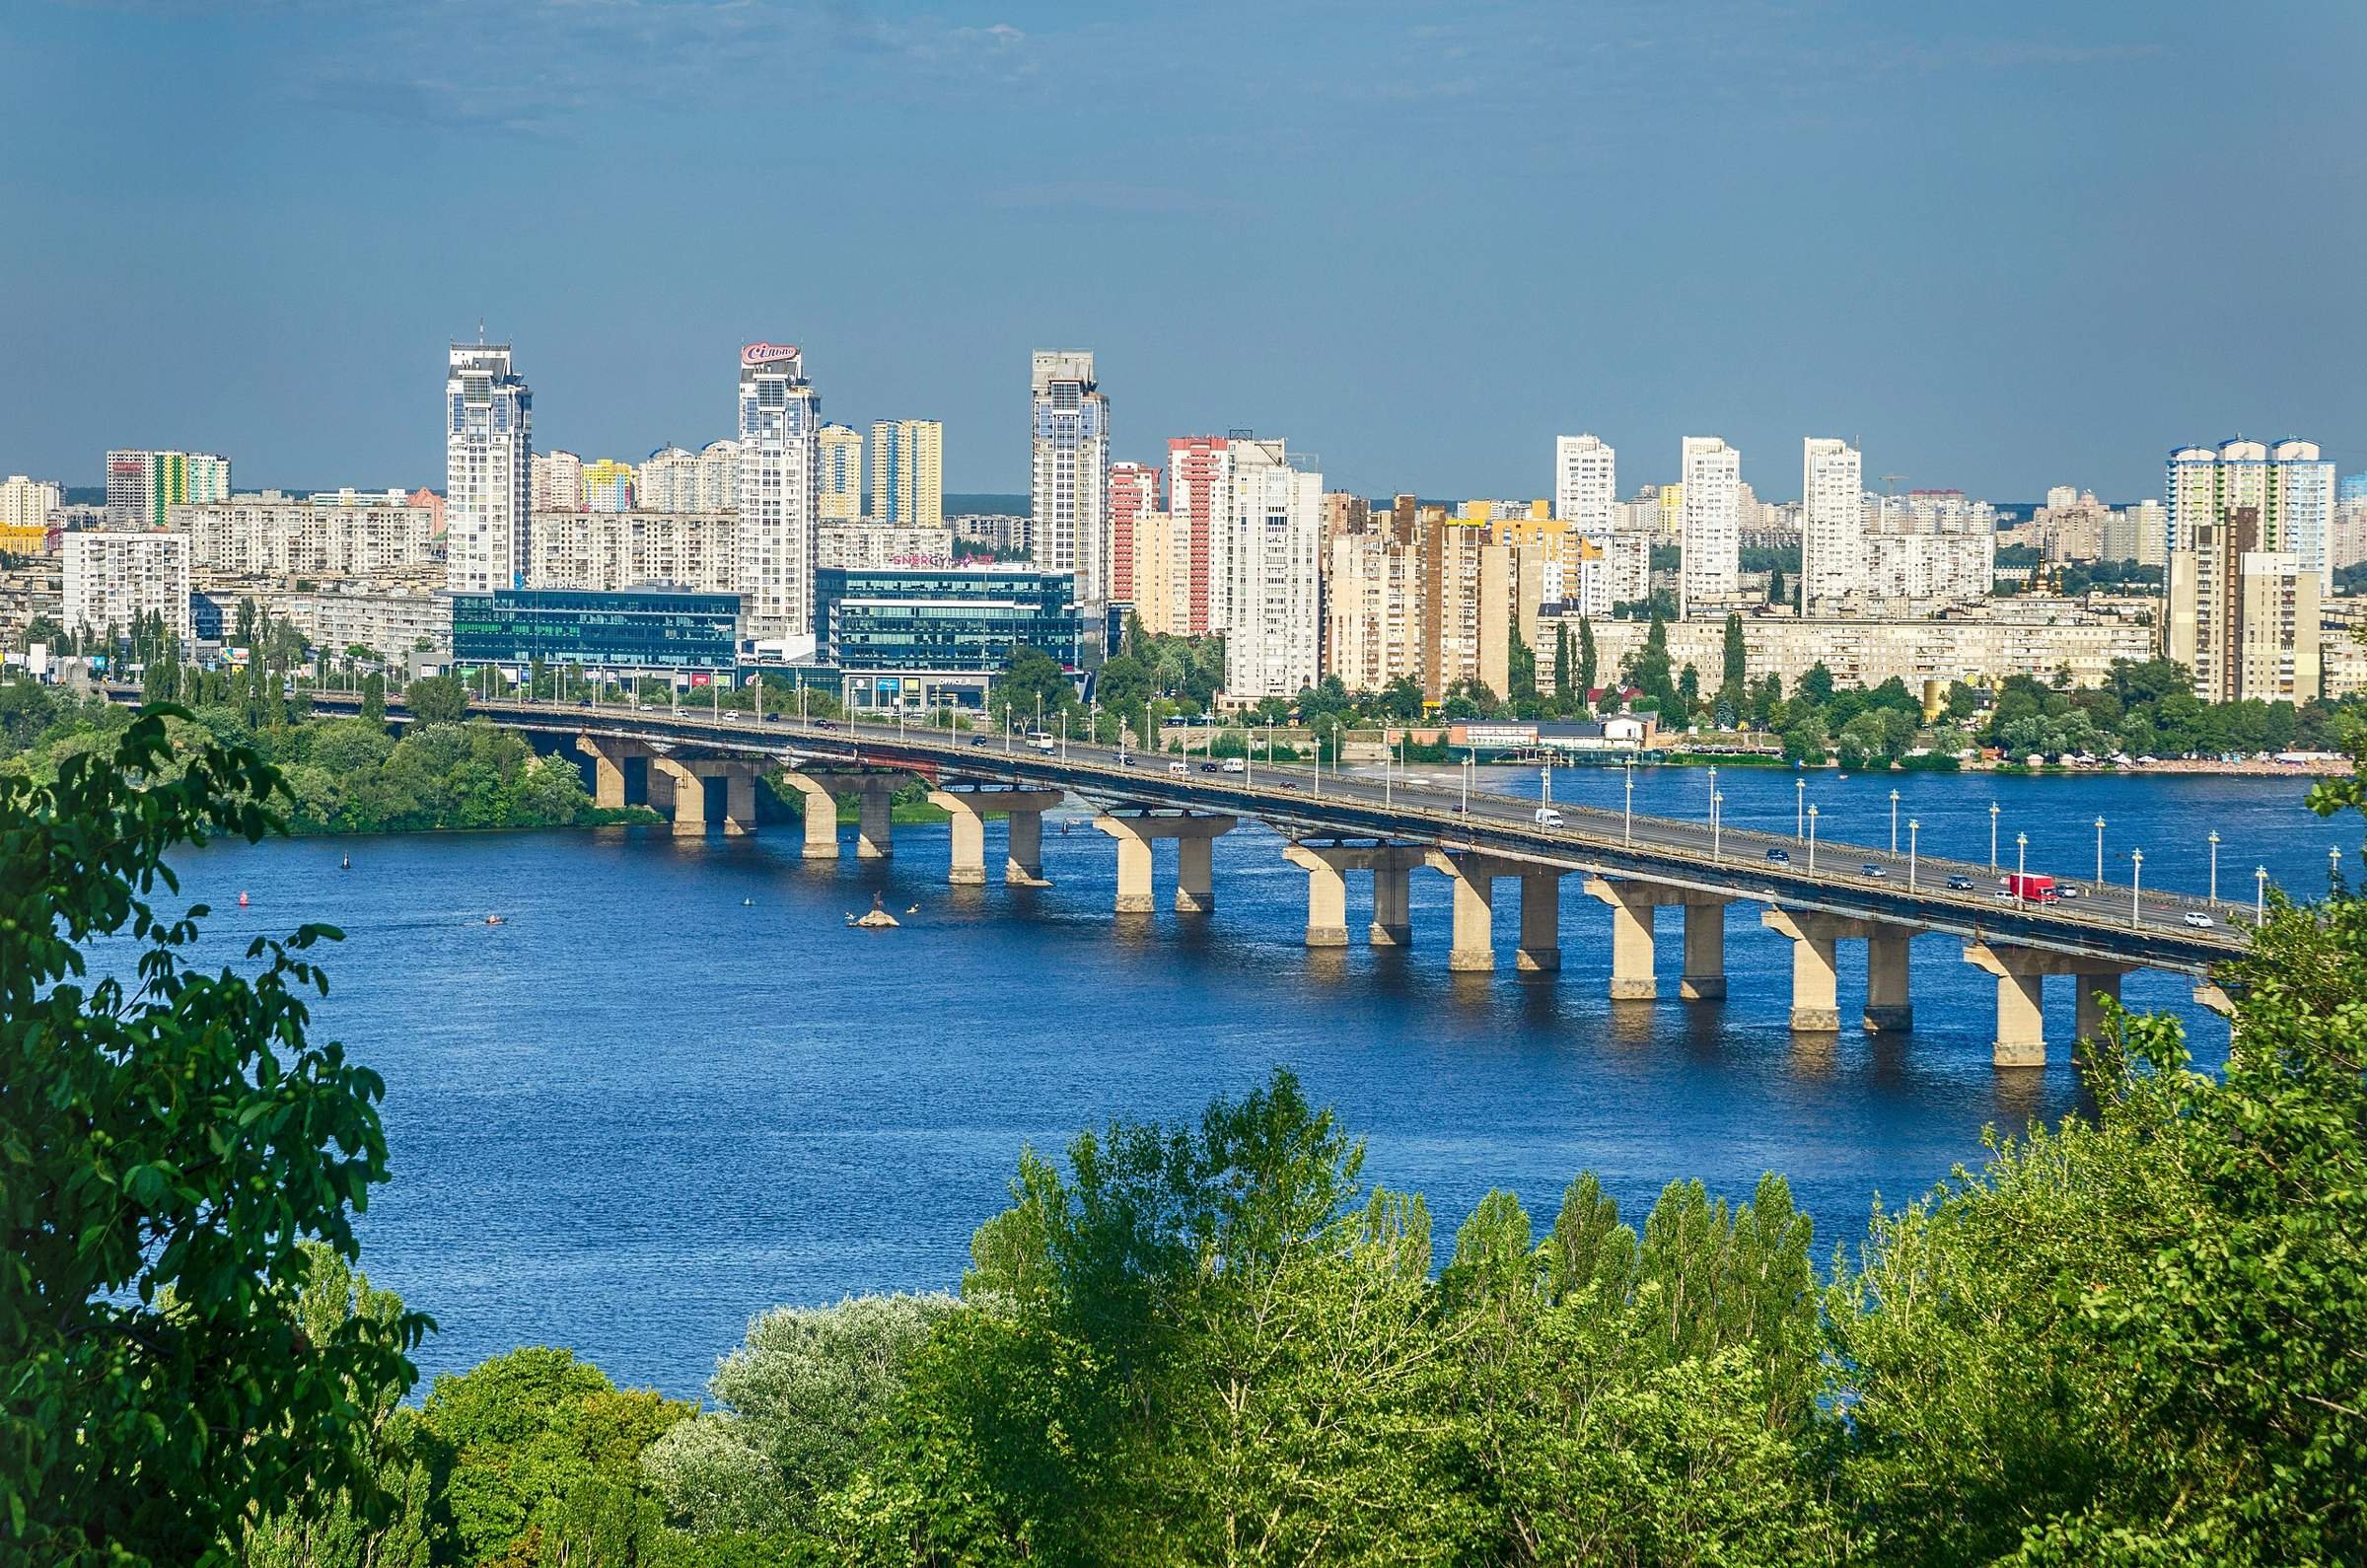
[2131, 1338]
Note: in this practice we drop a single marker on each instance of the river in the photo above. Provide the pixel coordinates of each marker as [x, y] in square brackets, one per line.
[673, 1090]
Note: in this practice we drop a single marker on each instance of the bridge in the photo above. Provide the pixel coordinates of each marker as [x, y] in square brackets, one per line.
[1338, 826]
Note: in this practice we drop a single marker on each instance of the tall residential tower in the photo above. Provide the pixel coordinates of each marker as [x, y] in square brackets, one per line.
[907, 473]
[780, 462]
[1833, 522]
[1586, 482]
[1070, 481]
[1711, 532]
[488, 463]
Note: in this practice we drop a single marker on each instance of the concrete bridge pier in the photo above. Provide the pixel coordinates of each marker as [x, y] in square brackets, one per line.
[1539, 951]
[1890, 1010]
[1392, 895]
[874, 818]
[608, 770]
[1633, 957]
[1327, 892]
[2021, 973]
[1472, 949]
[1193, 835]
[686, 794]
[1704, 979]
[1022, 865]
[821, 813]
[1816, 991]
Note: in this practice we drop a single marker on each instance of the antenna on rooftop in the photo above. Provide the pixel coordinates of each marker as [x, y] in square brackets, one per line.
[480, 329]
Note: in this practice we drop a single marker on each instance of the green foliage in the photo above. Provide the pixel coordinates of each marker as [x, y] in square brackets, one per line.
[168, 1147]
[436, 699]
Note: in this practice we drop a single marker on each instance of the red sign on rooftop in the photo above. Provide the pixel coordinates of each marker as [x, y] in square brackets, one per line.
[766, 353]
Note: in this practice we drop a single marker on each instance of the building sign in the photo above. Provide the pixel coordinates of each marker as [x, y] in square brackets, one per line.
[755, 354]
[1493, 735]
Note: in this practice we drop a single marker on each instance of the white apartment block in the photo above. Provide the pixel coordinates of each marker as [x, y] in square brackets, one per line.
[556, 481]
[488, 457]
[2290, 486]
[344, 534]
[2244, 619]
[115, 578]
[25, 504]
[1586, 482]
[780, 420]
[678, 479]
[1710, 532]
[141, 485]
[1270, 560]
[607, 551]
[1832, 521]
[389, 624]
[1069, 478]
[1609, 569]
[2037, 641]
[1921, 571]
[874, 546]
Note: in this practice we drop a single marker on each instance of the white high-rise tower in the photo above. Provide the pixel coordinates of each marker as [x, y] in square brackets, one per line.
[1071, 473]
[1832, 521]
[781, 470]
[1586, 482]
[1710, 532]
[488, 458]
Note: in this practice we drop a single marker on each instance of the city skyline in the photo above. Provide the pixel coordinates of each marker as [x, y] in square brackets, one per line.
[1960, 243]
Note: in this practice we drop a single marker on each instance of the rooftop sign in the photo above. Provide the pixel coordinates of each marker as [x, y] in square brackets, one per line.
[755, 354]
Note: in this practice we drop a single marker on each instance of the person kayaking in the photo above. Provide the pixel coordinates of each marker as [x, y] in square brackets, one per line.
[493, 920]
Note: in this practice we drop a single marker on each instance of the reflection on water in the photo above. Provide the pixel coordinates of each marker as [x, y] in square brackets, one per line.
[673, 1090]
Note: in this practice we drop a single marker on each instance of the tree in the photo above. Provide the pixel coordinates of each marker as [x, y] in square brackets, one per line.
[1815, 686]
[1563, 669]
[1777, 594]
[170, 1145]
[1520, 663]
[1737, 666]
[1586, 659]
[436, 699]
[1031, 677]
[374, 697]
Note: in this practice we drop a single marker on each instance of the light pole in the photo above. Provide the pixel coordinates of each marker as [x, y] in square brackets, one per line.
[1467, 781]
[2333, 870]
[2136, 880]
[2260, 894]
[2100, 851]
[1894, 822]
[1628, 825]
[1713, 788]
[2214, 842]
[1717, 819]
[1063, 735]
[1799, 807]
[1912, 827]
[1992, 836]
[1812, 839]
[2021, 862]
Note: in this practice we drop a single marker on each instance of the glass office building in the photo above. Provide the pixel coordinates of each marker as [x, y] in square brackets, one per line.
[927, 637]
[653, 630]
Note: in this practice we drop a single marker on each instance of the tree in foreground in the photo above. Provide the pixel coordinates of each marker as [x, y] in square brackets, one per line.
[168, 1144]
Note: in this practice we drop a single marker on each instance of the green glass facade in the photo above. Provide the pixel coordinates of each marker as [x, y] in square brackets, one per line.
[637, 629]
[933, 618]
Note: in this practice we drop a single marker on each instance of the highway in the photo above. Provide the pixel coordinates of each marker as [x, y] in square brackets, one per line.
[1841, 879]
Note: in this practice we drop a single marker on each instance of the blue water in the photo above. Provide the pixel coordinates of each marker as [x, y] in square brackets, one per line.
[642, 1109]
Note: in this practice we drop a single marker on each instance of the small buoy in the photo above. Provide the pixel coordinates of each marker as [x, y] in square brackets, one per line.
[346, 864]
[744, 902]
[241, 897]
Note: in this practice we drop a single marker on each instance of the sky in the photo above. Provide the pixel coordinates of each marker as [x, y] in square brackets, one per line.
[2001, 246]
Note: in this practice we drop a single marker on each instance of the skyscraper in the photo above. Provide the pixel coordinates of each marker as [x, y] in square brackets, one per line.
[1133, 492]
[1199, 492]
[609, 486]
[142, 485]
[2301, 489]
[489, 461]
[841, 460]
[2290, 489]
[780, 462]
[1070, 479]
[1586, 482]
[1710, 532]
[1832, 521]
[907, 471]
[1268, 566]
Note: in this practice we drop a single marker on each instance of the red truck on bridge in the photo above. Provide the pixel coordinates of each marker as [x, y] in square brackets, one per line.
[2032, 889]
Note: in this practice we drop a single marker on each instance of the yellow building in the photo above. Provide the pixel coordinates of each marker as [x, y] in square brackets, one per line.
[607, 486]
[1672, 514]
[1163, 573]
[907, 471]
[25, 508]
[840, 490]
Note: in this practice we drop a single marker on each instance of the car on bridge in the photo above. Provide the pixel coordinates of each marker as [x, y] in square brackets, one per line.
[1872, 869]
[1780, 855]
[1548, 816]
[1960, 883]
[2197, 920]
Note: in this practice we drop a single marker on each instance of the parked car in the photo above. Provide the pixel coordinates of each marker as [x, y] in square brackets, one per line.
[1872, 869]
[2197, 920]
[1780, 855]
[1960, 885]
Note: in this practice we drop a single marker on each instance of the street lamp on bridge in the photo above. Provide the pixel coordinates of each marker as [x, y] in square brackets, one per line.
[2333, 870]
[1627, 824]
[2136, 881]
[2214, 842]
[1912, 827]
[2021, 863]
[1713, 791]
[1799, 807]
[1992, 836]
[1812, 839]
[1717, 817]
[1894, 822]
[2260, 894]
[2098, 851]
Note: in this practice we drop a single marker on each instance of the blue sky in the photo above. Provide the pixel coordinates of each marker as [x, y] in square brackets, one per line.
[2003, 246]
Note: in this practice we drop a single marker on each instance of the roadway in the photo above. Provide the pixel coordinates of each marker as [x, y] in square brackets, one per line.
[1852, 881]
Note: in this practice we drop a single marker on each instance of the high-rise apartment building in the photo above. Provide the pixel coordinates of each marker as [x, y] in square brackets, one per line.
[840, 449]
[1269, 573]
[330, 535]
[2290, 485]
[1711, 532]
[609, 486]
[1070, 481]
[1133, 491]
[115, 578]
[489, 461]
[556, 481]
[1833, 522]
[1199, 492]
[1586, 482]
[1373, 609]
[907, 473]
[141, 485]
[780, 462]
[25, 508]
[1474, 594]
[1160, 575]
[2245, 619]
[608, 551]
